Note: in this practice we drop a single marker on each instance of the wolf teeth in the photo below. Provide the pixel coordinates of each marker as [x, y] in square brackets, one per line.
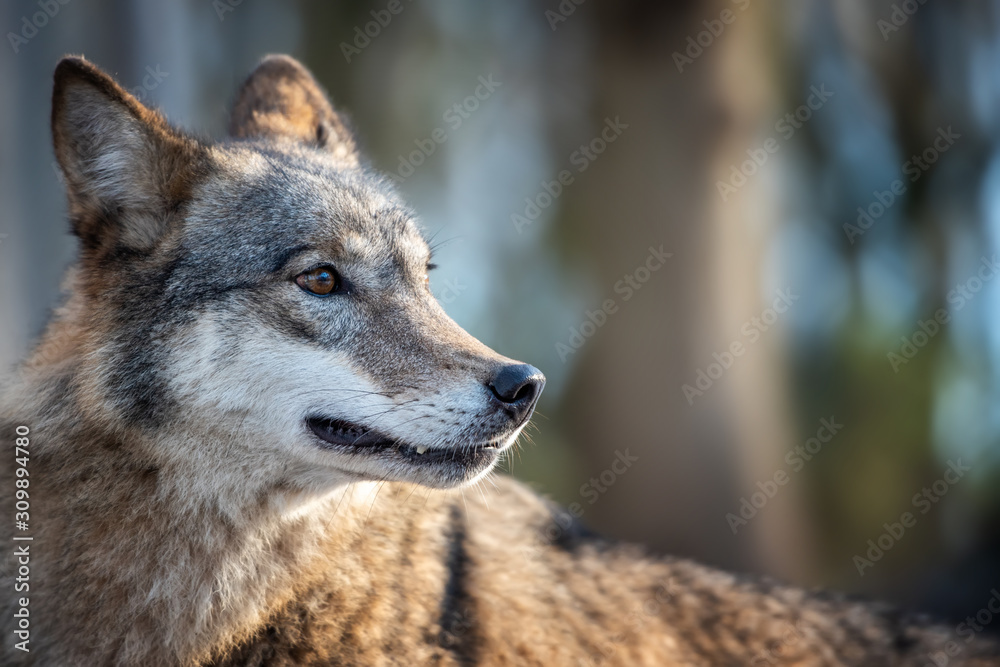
[421, 449]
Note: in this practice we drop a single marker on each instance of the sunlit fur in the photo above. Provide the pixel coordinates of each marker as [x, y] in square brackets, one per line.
[184, 514]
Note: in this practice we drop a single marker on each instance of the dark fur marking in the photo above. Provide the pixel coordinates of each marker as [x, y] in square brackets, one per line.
[902, 641]
[288, 255]
[135, 381]
[569, 533]
[459, 631]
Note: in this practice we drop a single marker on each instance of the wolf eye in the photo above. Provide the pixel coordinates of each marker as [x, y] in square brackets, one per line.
[321, 281]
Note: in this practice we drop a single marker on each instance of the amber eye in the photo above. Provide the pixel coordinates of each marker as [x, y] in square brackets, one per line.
[321, 281]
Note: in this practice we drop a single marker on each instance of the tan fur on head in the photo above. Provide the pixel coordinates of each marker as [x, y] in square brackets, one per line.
[282, 100]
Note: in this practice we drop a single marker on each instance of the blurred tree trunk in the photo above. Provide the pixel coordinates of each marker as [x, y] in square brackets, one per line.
[687, 128]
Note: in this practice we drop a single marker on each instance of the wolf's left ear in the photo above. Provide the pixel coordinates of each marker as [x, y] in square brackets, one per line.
[281, 100]
[126, 169]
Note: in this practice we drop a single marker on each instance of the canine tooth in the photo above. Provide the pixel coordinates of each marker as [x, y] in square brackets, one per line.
[421, 449]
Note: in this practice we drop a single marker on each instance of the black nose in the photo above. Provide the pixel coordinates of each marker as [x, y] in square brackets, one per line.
[518, 386]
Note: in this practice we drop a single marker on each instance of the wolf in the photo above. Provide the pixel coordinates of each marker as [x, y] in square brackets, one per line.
[246, 428]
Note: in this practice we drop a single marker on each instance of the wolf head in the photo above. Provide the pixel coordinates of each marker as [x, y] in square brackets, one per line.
[264, 301]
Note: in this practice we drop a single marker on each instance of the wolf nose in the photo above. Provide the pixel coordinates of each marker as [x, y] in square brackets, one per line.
[517, 387]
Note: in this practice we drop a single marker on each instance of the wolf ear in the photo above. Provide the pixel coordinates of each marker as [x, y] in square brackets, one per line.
[281, 99]
[126, 169]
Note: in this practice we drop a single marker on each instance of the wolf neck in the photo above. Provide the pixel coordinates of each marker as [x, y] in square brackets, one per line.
[187, 570]
[187, 557]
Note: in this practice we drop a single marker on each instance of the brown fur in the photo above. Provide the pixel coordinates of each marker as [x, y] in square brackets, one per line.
[159, 545]
[283, 100]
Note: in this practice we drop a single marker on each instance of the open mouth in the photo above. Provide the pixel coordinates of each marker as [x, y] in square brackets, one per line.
[345, 437]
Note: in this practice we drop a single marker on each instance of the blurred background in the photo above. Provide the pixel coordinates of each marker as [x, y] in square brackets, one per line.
[822, 342]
